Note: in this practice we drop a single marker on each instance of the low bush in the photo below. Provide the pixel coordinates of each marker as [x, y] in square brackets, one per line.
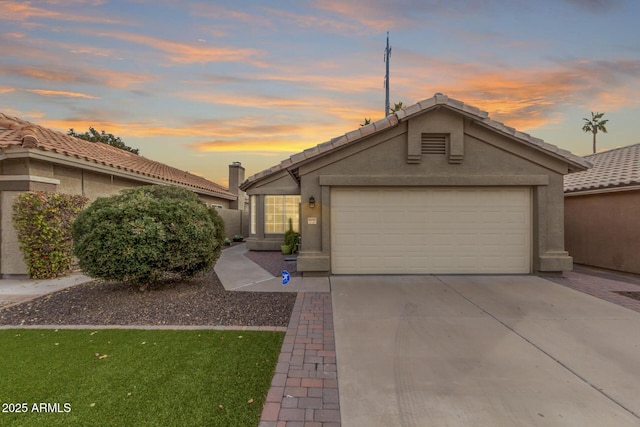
[291, 237]
[144, 234]
[43, 222]
[218, 223]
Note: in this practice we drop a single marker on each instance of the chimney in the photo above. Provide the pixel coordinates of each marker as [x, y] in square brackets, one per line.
[236, 177]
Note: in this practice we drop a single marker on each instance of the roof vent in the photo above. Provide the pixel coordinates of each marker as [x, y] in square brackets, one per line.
[434, 143]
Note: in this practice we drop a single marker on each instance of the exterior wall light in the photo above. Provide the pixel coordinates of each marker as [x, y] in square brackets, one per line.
[312, 202]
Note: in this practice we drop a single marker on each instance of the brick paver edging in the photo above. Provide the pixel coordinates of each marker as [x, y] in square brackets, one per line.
[304, 388]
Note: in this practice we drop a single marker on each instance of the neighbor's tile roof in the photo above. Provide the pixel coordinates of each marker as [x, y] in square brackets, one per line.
[437, 101]
[21, 133]
[619, 167]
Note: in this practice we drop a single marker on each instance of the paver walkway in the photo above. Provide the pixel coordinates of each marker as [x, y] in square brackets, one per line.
[605, 286]
[304, 389]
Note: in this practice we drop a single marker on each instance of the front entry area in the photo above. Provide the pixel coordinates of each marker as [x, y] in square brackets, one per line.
[431, 230]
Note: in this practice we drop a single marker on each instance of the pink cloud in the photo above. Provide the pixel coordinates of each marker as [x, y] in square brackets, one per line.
[23, 11]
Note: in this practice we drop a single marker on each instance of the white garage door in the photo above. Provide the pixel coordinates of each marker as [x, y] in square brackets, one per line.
[430, 230]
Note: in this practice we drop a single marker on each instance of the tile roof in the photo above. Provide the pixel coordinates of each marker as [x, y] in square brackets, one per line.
[439, 100]
[15, 132]
[615, 168]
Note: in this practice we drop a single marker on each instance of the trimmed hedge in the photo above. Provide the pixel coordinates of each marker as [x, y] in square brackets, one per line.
[145, 234]
[43, 222]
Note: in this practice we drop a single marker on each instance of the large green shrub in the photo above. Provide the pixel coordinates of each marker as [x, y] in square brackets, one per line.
[144, 234]
[218, 222]
[43, 222]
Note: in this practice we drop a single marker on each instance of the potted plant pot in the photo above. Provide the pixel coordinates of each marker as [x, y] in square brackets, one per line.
[286, 249]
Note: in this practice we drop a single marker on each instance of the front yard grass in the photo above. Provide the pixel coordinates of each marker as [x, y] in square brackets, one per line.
[110, 377]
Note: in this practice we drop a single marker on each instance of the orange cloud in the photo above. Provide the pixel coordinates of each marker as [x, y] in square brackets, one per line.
[188, 53]
[525, 98]
[340, 84]
[257, 145]
[96, 76]
[249, 136]
[255, 101]
[63, 93]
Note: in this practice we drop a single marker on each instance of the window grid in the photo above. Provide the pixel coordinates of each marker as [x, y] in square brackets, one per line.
[278, 210]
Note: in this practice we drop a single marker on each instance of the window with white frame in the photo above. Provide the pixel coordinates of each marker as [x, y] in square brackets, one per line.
[278, 210]
[252, 209]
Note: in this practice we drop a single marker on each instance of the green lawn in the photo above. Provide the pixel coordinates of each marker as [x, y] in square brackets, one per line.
[112, 377]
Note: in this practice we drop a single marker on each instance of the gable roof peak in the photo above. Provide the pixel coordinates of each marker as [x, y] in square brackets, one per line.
[438, 100]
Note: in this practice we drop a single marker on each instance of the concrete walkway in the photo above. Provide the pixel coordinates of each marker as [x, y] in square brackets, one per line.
[16, 291]
[238, 273]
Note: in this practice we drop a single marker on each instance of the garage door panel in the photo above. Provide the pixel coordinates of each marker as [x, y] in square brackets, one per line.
[430, 230]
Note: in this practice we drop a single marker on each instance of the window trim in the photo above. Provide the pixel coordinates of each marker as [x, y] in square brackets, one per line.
[253, 221]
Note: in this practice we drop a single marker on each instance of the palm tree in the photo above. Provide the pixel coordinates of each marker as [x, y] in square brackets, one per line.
[594, 125]
[366, 122]
[397, 107]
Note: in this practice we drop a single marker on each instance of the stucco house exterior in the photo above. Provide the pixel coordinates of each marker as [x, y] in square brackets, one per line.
[435, 188]
[602, 211]
[34, 158]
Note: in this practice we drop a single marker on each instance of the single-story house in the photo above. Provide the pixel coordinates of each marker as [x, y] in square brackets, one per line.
[34, 158]
[435, 188]
[602, 211]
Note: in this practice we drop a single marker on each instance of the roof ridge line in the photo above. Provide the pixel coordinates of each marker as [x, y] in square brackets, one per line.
[612, 149]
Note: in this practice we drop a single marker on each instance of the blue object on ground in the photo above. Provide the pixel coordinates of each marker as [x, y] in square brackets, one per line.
[285, 277]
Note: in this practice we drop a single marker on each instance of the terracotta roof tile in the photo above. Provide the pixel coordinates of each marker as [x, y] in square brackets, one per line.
[354, 135]
[615, 168]
[575, 163]
[17, 132]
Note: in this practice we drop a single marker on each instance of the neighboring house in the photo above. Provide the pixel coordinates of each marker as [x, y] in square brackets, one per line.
[435, 188]
[602, 211]
[36, 158]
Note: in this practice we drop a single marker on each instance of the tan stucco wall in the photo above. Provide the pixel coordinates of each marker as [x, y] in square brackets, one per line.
[489, 159]
[15, 167]
[235, 222]
[603, 230]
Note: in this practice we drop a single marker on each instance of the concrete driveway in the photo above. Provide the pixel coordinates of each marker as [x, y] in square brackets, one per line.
[482, 351]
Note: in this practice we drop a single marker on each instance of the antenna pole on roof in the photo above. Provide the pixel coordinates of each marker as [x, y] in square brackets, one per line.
[387, 55]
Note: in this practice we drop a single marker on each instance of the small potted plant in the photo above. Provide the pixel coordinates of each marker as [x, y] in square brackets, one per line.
[291, 239]
[227, 241]
[238, 238]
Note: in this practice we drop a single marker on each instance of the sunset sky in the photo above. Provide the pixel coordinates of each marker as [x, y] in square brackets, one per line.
[198, 85]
